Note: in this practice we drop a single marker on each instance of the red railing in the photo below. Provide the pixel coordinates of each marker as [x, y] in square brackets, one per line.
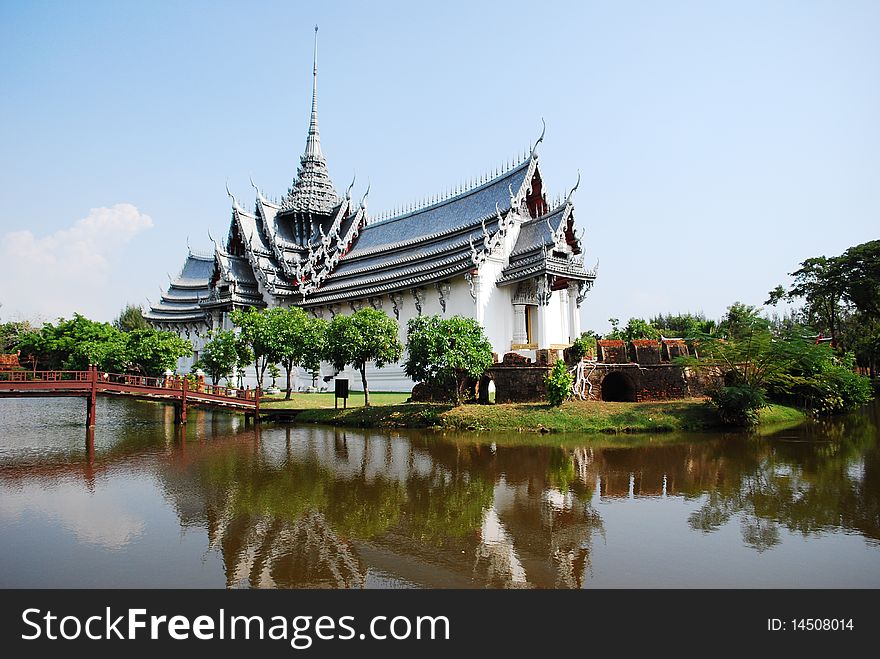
[124, 380]
[43, 376]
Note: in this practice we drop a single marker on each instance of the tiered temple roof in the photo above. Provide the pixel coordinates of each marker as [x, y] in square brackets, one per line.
[317, 247]
[180, 303]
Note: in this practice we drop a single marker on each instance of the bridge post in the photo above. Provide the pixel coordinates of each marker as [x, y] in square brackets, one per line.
[257, 405]
[181, 410]
[91, 402]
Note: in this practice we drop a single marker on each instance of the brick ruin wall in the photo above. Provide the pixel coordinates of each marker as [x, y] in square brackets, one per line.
[519, 379]
[526, 383]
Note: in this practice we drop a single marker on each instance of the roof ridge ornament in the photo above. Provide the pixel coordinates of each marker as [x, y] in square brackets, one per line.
[350, 186]
[568, 198]
[540, 139]
[235, 205]
[364, 198]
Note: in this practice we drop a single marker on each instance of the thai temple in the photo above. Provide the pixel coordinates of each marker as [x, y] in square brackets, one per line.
[494, 250]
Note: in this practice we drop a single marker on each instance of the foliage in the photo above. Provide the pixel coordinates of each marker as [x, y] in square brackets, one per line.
[274, 372]
[447, 353]
[822, 382]
[739, 404]
[131, 318]
[313, 346]
[76, 343]
[741, 322]
[559, 382]
[682, 325]
[582, 346]
[636, 328]
[11, 333]
[256, 333]
[783, 366]
[219, 355]
[365, 336]
[842, 300]
[152, 353]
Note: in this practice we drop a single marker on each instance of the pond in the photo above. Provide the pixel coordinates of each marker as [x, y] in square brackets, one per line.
[226, 505]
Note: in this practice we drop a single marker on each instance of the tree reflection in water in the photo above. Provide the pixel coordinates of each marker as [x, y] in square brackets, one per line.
[318, 507]
[822, 478]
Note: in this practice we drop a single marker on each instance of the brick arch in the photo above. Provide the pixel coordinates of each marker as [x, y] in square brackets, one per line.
[483, 387]
[618, 386]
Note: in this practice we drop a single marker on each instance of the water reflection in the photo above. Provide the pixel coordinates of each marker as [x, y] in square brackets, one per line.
[330, 508]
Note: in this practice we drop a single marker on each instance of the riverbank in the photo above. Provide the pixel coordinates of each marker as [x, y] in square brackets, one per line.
[573, 416]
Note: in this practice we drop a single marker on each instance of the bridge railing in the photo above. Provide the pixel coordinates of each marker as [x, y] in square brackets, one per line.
[43, 376]
[138, 380]
[174, 382]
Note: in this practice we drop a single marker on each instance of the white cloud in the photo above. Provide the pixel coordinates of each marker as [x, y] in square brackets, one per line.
[68, 270]
[95, 518]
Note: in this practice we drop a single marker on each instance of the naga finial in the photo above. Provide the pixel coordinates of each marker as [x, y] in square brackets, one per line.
[568, 198]
[366, 194]
[540, 139]
[350, 186]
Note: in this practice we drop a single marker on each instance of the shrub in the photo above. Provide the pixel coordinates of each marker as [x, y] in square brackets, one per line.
[582, 346]
[739, 404]
[559, 382]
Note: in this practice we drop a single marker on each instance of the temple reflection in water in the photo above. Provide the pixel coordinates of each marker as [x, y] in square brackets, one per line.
[313, 507]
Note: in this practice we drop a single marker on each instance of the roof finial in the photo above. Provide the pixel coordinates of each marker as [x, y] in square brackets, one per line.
[568, 198]
[540, 139]
[351, 185]
[313, 143]
[364, 198]
[232, 196]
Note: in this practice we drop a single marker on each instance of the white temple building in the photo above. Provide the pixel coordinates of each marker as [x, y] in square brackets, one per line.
[495, 250]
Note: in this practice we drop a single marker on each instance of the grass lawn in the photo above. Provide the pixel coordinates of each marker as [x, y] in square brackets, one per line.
[573, 416]
[301, 401]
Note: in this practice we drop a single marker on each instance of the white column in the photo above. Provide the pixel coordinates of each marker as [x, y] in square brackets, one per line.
[574, 313]
[542, 311]
[480, 303]
[564, 314]
[520, 335]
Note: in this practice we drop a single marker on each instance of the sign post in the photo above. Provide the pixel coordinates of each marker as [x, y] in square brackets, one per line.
[341, 392]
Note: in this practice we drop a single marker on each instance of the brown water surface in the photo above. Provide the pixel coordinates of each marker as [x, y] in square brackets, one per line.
[224, 505]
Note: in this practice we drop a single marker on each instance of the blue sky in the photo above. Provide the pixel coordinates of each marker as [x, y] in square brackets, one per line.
[719, 143]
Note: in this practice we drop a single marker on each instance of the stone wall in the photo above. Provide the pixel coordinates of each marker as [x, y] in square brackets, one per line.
[673, 348]
[519, 384]
[647, 352]
[612, 351]
[643, 383]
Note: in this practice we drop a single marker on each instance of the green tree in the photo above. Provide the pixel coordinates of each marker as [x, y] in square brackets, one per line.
[151, 352]
[559, 381]
[447, 353]
[219, 355]
[131, 318]
[313, 346]
[682, 325]
[286, 328]
[365, 336]
[636, 328]
[11, 333]
[819, 281]
[256, 332]
[74, 344]
[842, 299]
[741, 322]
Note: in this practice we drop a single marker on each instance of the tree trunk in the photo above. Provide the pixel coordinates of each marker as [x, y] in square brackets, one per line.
[288, 367]
[260, 365]
[363, 370]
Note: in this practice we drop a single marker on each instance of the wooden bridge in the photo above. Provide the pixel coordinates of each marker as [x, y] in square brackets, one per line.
[89, 384]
